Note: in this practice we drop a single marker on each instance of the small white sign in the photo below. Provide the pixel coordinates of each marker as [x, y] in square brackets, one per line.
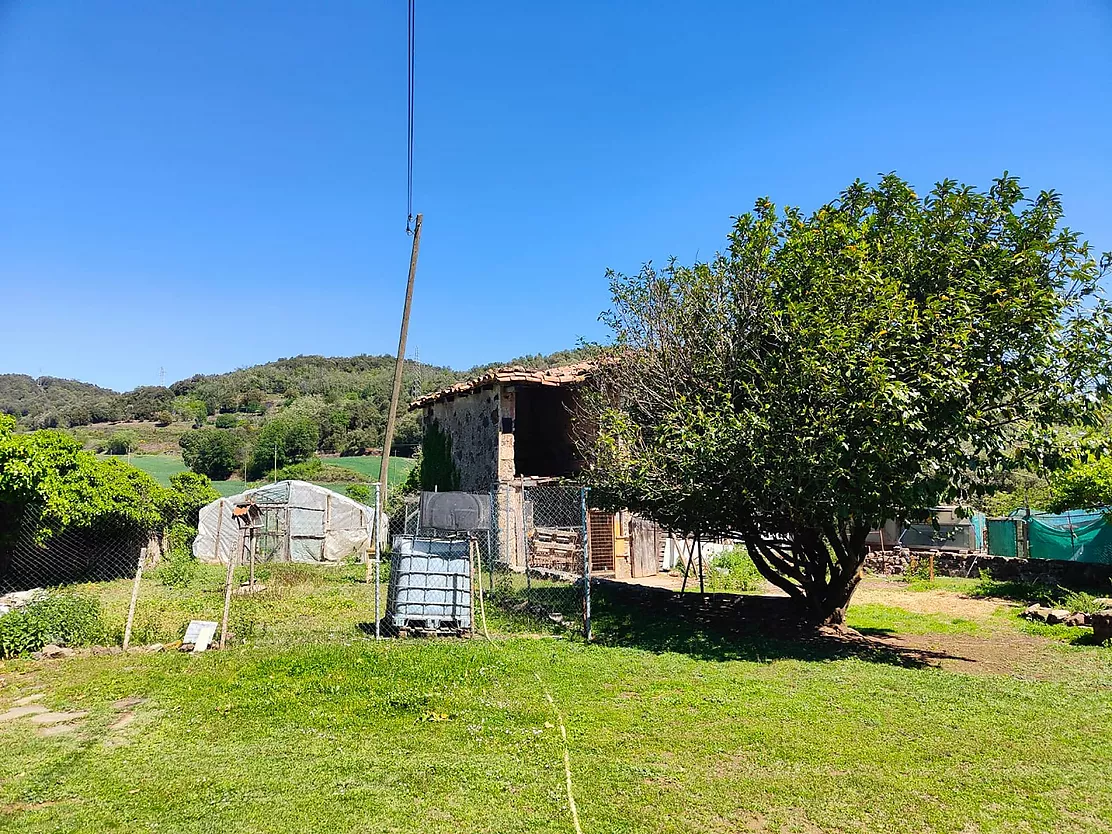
[200, 634]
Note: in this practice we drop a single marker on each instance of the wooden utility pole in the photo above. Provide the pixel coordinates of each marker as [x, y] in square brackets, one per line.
[388, 439]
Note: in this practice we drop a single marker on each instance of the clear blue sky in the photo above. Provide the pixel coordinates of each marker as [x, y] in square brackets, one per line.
[205, 185]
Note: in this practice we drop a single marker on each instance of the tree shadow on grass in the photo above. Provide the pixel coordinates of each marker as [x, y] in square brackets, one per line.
[722, 627]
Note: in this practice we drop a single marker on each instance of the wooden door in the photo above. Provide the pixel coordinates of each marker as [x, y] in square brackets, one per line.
[644, 547]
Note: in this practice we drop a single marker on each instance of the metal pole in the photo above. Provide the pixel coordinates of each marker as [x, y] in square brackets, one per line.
[399, 365]
[699, 544]
[688, 558]
[372, 537]
[276, 461]
[524, 543]
[378, 562]
[491, 537]
[586, 568]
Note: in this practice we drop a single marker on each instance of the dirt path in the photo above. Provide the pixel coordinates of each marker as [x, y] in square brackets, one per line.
[947, 603]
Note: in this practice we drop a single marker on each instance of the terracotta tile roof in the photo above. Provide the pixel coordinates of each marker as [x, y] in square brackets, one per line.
[562, 375]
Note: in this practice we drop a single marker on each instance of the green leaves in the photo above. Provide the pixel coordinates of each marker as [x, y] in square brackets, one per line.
[215, 453]
[71, 487]
[860, 363]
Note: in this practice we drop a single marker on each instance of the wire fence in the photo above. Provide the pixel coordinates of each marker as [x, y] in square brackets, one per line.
[542, 569]
[520, 566]
[38, 558]
[514, 559]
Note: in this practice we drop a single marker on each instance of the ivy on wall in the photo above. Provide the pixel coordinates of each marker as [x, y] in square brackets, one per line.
[438, 470]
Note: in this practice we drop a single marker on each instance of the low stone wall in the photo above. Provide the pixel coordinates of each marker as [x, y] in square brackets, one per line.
[733, 613]
[1000, 568]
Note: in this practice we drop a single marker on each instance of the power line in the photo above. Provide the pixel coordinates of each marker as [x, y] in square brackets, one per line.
[409, 103]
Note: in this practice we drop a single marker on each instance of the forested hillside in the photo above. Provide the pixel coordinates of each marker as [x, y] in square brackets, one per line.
[338, 403]
[47, 401]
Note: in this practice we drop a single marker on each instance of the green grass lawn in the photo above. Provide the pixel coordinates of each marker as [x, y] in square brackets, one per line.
[369, 466]
[307, 725]
[161, 467]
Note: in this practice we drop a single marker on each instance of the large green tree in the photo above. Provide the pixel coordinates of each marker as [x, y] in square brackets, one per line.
[215, 453]
[292, 438]
[836, 369]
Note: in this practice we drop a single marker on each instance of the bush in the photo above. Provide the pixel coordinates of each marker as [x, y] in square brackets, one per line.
[314, 469]
[361, 493]
[1080, 602]
[212, 452]
[121, 443]
[289, 438]
[190, 492]
[226, 421]
[733, 571]
[178, 564]
[63, 619]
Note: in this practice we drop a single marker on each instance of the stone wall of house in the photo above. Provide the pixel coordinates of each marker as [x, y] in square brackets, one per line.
[472, 422]
[1001, 568]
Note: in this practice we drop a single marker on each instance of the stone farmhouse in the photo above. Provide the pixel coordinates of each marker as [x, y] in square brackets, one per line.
[512, 430]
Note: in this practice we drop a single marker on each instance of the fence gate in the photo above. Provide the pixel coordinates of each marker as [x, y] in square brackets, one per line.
[541, 546]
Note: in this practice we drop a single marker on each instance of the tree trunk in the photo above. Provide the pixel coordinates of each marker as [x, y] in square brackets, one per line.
[820, 568]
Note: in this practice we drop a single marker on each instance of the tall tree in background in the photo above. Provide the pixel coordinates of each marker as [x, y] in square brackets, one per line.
[833, 370]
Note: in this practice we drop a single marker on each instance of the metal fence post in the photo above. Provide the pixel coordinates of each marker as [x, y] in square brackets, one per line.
[378, 557]
[586, 566]
[524, 543]
[492, 535]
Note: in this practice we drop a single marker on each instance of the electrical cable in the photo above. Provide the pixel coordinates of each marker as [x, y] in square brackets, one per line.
[409, 104]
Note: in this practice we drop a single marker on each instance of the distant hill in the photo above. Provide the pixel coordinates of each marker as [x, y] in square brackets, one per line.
[48, 401]
[348, 396]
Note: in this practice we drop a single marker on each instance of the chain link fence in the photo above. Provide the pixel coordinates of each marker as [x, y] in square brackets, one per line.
[39, 558]
[522, 568]
[541, 565]
[519, 563]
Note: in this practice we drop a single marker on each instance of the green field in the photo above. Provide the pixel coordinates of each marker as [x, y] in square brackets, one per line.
[161, 467]
[369, 466]
[306, 724]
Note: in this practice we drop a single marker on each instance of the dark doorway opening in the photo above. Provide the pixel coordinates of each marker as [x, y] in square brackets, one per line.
[543, 440]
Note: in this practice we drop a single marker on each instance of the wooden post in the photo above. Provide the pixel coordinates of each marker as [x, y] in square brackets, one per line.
[686, 554]
[134, 596]
[931, 570]
[699, 544]
[388, 438]
[228, 587]
[482, 605]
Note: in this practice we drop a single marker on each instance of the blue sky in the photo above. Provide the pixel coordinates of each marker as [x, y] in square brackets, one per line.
[206, 185]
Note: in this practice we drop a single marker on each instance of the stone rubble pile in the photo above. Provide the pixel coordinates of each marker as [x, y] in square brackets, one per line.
[20, 599]
[1100, 622]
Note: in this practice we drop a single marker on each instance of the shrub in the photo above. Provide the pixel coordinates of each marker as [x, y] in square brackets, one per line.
[190, 492]
[732, 570]
[314, 469]
[225, 421]
[1080, 602]
[289, 438]
[178, 563]
[212, 452]
[361, 493]
[121, 443]
[63, 619]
